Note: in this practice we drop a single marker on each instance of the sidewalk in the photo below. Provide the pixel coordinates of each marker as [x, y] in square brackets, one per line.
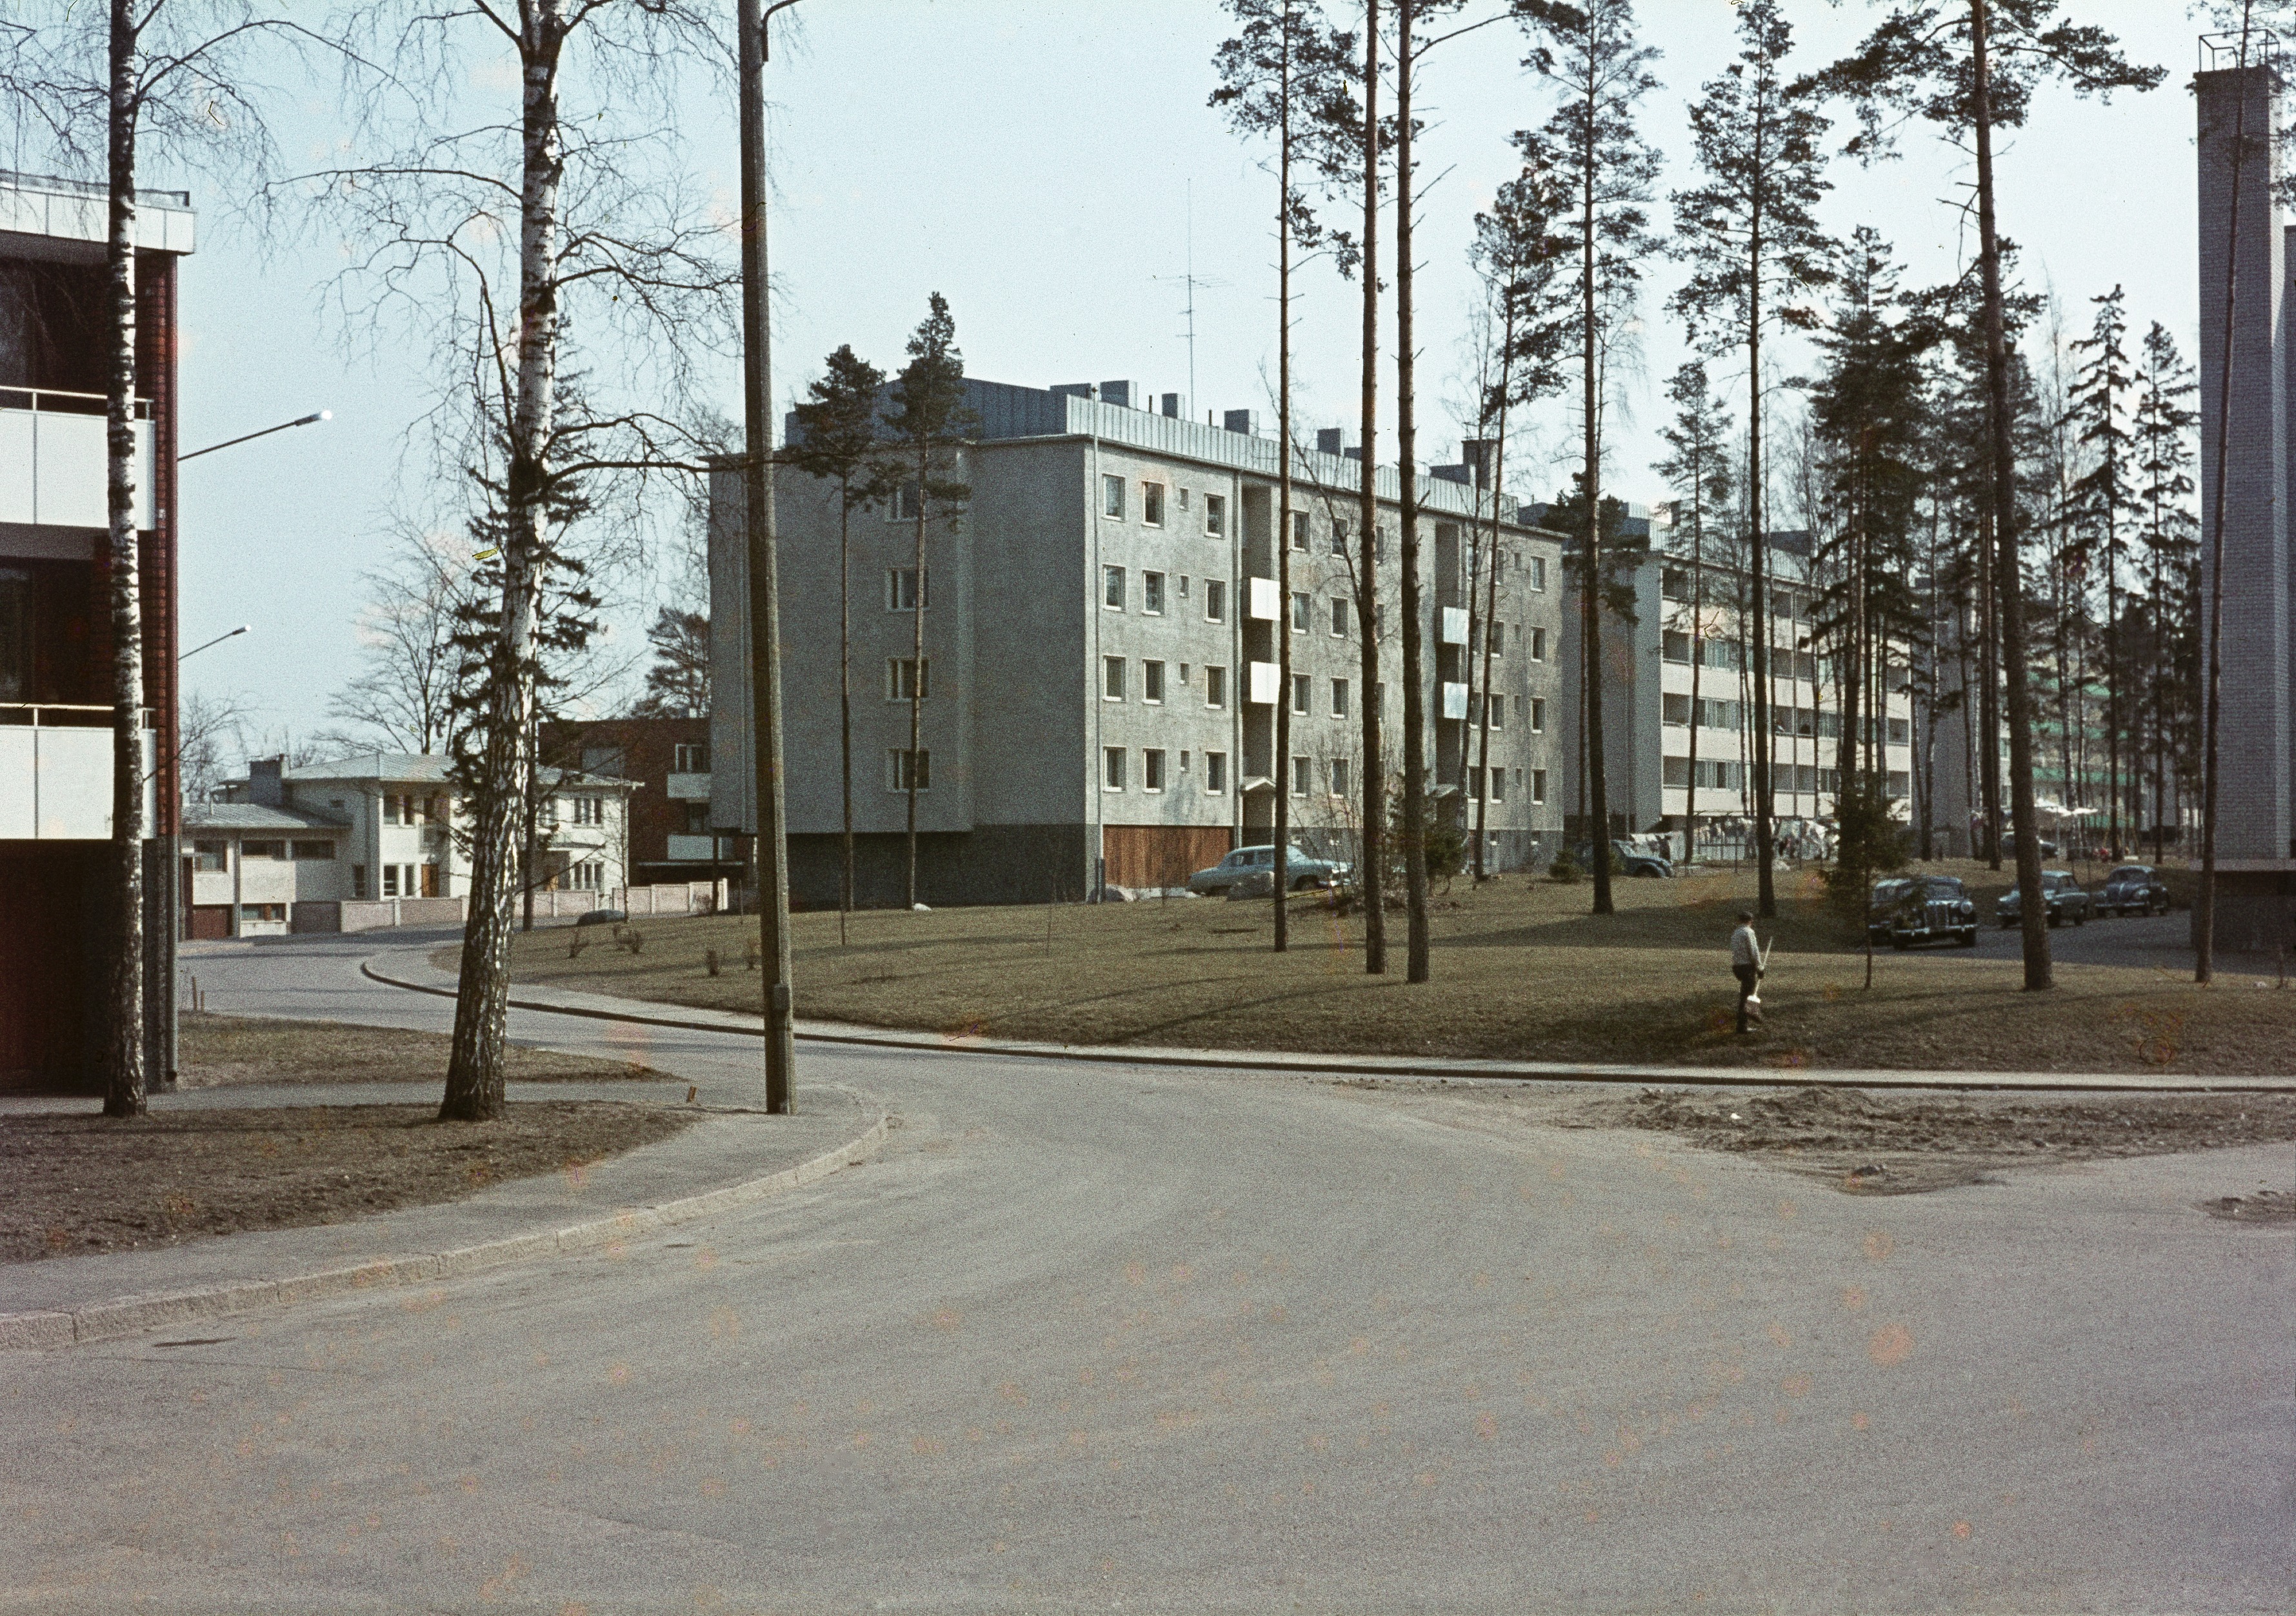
[726, 1160]
[411, 968]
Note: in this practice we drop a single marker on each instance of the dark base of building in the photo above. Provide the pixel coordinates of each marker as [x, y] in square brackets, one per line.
[2256, 911]
[992, 864]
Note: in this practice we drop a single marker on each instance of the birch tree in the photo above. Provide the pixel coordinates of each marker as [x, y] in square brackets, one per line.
[491, 234]
[402, 697]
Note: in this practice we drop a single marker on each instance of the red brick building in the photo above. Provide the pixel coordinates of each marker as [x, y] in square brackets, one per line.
[668, 760]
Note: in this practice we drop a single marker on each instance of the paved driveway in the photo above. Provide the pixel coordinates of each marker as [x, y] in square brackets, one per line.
[1104, 1336]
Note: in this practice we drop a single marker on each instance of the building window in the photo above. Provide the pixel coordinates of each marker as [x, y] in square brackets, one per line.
[262, 849]
[906, 679]
[322, 850]
[1151, 592]
[1339, 698]
[390, 881]
[1498, 638]
[1303, 772]
[1338, 776]
[1299, 531]
[1539, 645]
[1151, 504]
[1184, 506]
[1496, 710]
[1339, 609]
[589, 810]
[1300, 687]
[1112, 497]
[1674, 709]
[901, 594]
[210, 856]
[259, 912]
[1302, 611]
[1215, 685]
[1339, 539]
[1215, 773]
[1152, 768]
[1111, 589]
[692, 758]
[907, 506]
[1151, 681]
[1184, 586]
[359, 880]
[1538, 582]
[1498, 785]
[1112, 768]
[1111, 679]
[1215, 515]
[1215, 601]
[1539, 715]
[905, 769]
[1538, 785]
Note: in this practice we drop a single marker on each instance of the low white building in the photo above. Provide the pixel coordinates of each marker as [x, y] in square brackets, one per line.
[371, 840]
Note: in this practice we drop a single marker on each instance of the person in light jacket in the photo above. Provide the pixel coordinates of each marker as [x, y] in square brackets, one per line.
[1746, 965]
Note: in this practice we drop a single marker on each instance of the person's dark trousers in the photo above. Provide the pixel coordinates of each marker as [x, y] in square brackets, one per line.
[1747, 977]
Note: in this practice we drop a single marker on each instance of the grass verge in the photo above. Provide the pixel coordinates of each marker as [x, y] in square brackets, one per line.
[215, 1050]
[1521, 971]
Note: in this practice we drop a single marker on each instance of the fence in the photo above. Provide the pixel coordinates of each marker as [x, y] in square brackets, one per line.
[662, 899]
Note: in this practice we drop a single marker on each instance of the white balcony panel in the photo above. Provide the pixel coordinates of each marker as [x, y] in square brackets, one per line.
[1261, 603]
[71, 784]
[1262, 683]
[53, 469]
[697, 849]
[689, 788]
[18, 456]
[1451, 623]
[1455, 702]
[211, 886]
[19, 766]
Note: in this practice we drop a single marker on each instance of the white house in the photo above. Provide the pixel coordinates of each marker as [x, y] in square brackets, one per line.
[370, 840]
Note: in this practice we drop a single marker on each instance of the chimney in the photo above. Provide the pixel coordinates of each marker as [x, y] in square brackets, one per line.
[1117, 393]
[1172, 406]
[1246, 421]
[1332, 439]
[1480, 457]
[1072, 389]
[266, 784]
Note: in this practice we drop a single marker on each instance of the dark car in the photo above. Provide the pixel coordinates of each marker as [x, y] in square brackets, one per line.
[2062, 894]
[1631, 860]
[1932, 909]
[1883, 905]
[2134, 889]
[1250, 873]
[600, 917]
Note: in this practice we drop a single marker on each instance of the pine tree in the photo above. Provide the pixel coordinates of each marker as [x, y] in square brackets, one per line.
[1699, 470]
[1751, 233]
[2171, 537]
[839, 441]
[929, 419]
[1590, 55]
[2106, 500]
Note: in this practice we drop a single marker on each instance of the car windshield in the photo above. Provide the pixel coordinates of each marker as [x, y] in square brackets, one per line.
[2055, 881]
[1944, 886]
[2131, 872]
[1889, 892]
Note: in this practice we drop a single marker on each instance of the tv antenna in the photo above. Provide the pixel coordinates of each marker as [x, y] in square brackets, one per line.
[1192, 280]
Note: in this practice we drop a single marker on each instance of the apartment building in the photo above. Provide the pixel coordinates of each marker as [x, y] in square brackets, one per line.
[1102, 668]
[371, 839]
[55, 690]
[666, 763]
[1685, 660]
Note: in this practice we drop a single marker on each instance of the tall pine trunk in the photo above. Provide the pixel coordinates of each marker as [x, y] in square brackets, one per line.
[1590, 705]
[1406, 434]
[1373, 875]
[1284, 625]
[1697, 645]
[474, 1070]
[1757, 541]
[1491, 589]
[124, 1072]
[2010, 595]
[845, 694]
[917, 671]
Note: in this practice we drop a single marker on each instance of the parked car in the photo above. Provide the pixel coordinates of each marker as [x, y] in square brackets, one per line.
[1931, 909]
[600, 917]
[2063, 896]
[1883, 905]
[2134, 889]
[1254, 868]
[1632, 860]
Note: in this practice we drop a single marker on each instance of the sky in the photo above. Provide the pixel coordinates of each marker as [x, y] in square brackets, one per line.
[1052, 167]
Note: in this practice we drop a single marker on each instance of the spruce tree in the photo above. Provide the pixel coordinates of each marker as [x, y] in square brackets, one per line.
[1699, 471]
[2105, 500]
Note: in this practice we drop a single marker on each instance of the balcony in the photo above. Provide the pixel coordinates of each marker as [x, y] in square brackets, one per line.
[1261, 602]
[1263, 682]
[688, 788]
[52, 460]
[1451, 625]
[55, 773]
[692, 849]
[1455, 702]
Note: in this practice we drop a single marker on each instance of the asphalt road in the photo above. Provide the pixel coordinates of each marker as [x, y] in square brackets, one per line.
[1120, 1338]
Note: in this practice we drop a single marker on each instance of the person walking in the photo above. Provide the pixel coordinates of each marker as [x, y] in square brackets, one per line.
[1746, 963]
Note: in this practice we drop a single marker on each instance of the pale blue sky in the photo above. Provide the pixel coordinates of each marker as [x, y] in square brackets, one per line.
[1032, 160]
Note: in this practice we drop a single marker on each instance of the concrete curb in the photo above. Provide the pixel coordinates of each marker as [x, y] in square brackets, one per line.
[1461, 1071]
[131, 1315]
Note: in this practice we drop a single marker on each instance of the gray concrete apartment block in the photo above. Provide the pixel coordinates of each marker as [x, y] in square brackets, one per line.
[1100, 659]
[2256, 860]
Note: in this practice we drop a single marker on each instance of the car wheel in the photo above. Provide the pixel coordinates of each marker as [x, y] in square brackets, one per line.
[2081, 917]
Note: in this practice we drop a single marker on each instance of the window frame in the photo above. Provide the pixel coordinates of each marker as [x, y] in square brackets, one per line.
[1216, 687]
[1112, 768]
[1114, 682]
[1151, 593]
[894, 576]
[1151, 681]
[901, 760]
[1151, 504]
[1111, 496]
[1152, 775]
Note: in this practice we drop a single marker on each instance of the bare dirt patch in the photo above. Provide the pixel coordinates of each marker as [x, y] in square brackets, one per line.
[2263, 1206]
[1866, 1142]
[71, 1183]
[215, 1050]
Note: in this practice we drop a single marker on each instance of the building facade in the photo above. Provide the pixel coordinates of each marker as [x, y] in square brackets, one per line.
[1685, 661]
[666, 763]
[56, 688]
[372, 840]
[1102, 664]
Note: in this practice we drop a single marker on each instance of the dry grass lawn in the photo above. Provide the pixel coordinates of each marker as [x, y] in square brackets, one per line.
[1521, 971]
[220, 1049]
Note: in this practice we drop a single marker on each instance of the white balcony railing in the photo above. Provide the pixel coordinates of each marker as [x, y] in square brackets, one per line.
[1263, 682]
[688, 788]
[693, 850]
[1451, 625]
[53, 461]
[55, 780]
[1455, 702]
[1262, 602]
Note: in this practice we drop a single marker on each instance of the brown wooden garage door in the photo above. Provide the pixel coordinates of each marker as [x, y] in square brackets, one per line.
[1161, 855]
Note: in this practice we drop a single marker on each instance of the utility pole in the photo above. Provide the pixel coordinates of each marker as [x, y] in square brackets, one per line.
[765, 583]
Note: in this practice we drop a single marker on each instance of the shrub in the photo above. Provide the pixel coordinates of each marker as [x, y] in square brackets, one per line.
[710, 960]
[1564, 869]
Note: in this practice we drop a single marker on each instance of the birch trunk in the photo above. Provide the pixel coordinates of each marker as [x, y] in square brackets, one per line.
[474, 1071]
[1416, 965]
